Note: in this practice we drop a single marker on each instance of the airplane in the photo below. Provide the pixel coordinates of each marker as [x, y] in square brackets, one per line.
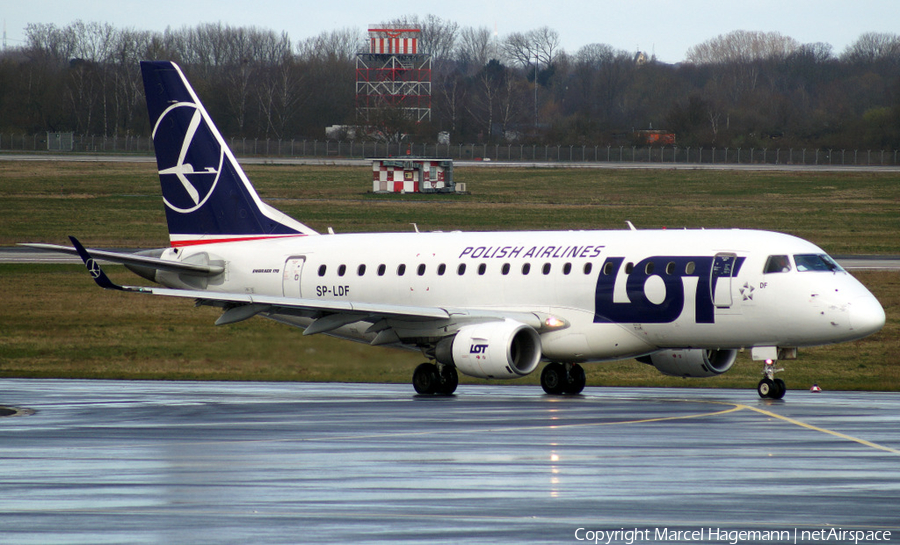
[492, 305]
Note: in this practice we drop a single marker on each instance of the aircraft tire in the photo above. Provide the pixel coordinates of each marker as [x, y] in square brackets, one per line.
[448, 380]
[779, 390]
[426, 379]
[553, 378]
[765, 388]
[577, 380]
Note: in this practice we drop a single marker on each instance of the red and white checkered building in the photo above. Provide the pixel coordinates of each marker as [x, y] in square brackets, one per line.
[412, 175]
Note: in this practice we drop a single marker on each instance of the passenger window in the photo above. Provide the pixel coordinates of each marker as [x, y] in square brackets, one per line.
[588, 267]
[322, 269]
[777, 264]
[482, 268]
[381, 269]
[648, 269]
[689, 268]
[504, 269]
[526, 268]
[341, 270]
[361, 270]
[401, 270]
[546, 268]
[442, 269]
[421, 270]
[670, 267]
[461, 270]
[567, 268]
[629, 267]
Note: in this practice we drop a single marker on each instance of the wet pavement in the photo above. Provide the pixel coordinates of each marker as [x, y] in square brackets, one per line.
[212, 462]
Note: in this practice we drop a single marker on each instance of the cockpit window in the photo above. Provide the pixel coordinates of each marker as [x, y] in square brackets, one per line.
[816, 262]
[777, 264]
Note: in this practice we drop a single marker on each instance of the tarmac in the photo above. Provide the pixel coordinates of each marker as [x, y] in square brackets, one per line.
[213, 462]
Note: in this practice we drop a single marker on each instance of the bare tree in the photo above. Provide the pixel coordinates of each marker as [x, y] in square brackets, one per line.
[454, 96]
[282, 89]
[90, 84]
[475, 47]
[546, 44]
[872, 47]
[49, 44]
[341, 44]
[593, 56]
[489, 85]
[511, 100]
[817, 52]
[131, 47]
[742, 46]
[540, 45]
[438, 37]
[517, 48]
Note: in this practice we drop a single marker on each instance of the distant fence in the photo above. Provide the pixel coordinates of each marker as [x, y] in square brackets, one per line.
[494, 152]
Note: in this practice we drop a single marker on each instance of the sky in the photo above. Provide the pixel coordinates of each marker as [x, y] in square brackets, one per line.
[666, 28]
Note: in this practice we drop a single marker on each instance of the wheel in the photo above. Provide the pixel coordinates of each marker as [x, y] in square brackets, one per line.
[426, 379]
[553, 378]
[765, 388]
[780, 388]
[577, 380]
[449, 380]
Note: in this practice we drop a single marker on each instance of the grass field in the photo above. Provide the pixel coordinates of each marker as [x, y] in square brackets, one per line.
[55, 322]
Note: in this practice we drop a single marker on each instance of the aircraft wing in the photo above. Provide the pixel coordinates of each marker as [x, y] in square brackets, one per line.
[329, 315]
[137, 260]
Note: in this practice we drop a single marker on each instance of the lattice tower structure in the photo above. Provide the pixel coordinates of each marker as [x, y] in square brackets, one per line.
[393, 74]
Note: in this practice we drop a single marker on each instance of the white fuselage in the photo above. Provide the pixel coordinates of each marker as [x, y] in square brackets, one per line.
[623, 293]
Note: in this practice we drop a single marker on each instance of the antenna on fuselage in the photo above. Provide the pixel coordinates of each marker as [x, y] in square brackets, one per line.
[631, 225]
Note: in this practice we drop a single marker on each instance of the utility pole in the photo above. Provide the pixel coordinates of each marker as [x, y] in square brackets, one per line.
[535, 91]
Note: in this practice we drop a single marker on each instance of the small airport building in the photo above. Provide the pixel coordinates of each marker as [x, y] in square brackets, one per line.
[412, 175]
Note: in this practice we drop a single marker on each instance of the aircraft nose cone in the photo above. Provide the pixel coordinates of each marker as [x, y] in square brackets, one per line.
[866, 316]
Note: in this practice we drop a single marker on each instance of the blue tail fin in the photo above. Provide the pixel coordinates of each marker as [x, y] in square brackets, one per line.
[208, 197]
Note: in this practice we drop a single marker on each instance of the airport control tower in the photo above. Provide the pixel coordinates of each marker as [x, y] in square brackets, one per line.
[393, 74]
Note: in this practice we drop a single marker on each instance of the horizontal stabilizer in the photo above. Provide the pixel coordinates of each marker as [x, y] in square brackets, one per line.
[137, 260]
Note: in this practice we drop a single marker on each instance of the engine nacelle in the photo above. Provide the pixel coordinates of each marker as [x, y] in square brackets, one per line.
[691, 362]
[506, 349]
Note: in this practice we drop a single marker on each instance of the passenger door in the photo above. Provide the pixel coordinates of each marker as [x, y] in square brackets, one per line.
[293, 272]
[720, 281]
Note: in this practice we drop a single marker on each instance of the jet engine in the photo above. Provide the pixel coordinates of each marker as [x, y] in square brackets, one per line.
[691, 362]
[505, 350]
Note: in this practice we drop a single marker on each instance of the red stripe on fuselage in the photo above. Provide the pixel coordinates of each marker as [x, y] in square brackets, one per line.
[183, 243]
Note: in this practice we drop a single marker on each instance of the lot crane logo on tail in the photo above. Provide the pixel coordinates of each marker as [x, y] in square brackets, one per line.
[195, 168]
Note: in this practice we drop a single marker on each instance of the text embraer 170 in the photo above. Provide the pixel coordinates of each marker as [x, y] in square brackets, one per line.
[489, 304]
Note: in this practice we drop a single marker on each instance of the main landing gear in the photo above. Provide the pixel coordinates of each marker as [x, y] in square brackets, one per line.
[558, 378]
[771, 387]
[440, 379]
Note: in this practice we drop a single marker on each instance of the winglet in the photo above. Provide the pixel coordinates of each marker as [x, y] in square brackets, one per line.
[94, 268]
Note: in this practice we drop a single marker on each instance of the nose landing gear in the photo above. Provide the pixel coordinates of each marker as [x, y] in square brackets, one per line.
[771, 387]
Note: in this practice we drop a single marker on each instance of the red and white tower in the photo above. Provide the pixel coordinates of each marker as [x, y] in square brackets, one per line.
[393, 74]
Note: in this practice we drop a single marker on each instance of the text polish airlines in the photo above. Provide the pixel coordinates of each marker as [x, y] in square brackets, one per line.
[487, 304]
